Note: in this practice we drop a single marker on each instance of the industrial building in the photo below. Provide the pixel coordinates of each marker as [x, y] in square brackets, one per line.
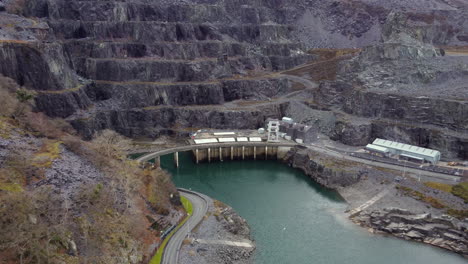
[294, 131]
[404, 151]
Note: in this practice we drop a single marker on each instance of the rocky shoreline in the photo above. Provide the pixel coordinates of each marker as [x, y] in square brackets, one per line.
[222, 237]
[440, 231]
[389, 209]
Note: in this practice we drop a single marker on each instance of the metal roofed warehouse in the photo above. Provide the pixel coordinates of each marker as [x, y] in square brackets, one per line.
[396, 148]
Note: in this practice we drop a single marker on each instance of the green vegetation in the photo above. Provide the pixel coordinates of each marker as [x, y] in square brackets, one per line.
[24, 95]
[189, 209]
[35, 226]
[434, 202]
[187, 205]
[439, 186]
[461, 190]
[460, 214]
[422, 197]
[49, 152]
[5, 128]
[96, 192]
[10, 187]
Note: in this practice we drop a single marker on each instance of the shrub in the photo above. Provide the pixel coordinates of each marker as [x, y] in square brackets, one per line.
[158, 189]
[14, 100]
[7, 100]
[16, 7]
[111, 144]
[30, 226]
[460, 214]
[41, 124]
[8, 103]
[105, 224]
[439, 186]
[461, 190]
[422, 197]
[24, 95]
[49, 152]
[24, 98]
[17, 170]
[434, 202]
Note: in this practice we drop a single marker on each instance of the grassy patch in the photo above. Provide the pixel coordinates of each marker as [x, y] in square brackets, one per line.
[11, 187]
[189, 209]
[460, 214]
[47, 154]
[433, 202]
[439, 186]
[461, 190]
[187, 205]
[422, 197]
[5, 128]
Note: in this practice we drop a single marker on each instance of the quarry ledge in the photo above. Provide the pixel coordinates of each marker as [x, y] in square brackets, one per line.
[376, 202]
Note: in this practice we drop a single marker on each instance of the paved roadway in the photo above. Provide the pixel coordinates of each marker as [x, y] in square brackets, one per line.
[200, 207]
[320, 149]
[403, 169]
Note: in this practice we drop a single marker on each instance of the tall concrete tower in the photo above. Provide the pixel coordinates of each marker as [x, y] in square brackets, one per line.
[273, 131]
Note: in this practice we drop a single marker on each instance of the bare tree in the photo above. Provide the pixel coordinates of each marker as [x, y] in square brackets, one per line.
[111, 144]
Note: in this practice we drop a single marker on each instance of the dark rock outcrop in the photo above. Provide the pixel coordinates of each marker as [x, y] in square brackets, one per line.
[322, 169]
[444, 232]
[155, 121]
[37, 66]
[65, 102]
[353, 133]
[138, 55]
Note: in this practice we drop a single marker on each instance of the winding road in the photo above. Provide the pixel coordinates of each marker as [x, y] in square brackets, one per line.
[200, 208]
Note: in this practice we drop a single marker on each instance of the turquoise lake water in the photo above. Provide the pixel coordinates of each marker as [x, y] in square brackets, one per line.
[293, 219]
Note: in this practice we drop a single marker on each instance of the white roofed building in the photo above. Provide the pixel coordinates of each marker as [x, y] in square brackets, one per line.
[405, 150]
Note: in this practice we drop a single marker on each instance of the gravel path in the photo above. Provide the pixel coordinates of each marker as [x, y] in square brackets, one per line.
[221, 223]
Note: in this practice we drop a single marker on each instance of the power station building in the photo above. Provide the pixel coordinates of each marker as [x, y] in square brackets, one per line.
[294, 131]
[405, 151]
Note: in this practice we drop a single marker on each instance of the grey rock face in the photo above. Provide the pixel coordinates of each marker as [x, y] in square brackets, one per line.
[37, 66]
[353, 134]
[448, 233]
[153, 122]
[65, 102]
[135, 56]
[139, 58]
[319, 171]
[401, 90]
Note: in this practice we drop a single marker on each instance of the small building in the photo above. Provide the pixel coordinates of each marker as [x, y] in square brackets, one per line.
[306, 134]
[284, 127]
[377, 150]
[405, 151]
[273, 131]
[288, 120]
[291, 132]
[294, 131]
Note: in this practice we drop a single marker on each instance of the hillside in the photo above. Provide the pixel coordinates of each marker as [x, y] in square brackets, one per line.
[80, 79]
[64, 200]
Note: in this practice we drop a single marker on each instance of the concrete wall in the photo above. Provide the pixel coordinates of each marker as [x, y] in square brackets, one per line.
[250, 153]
